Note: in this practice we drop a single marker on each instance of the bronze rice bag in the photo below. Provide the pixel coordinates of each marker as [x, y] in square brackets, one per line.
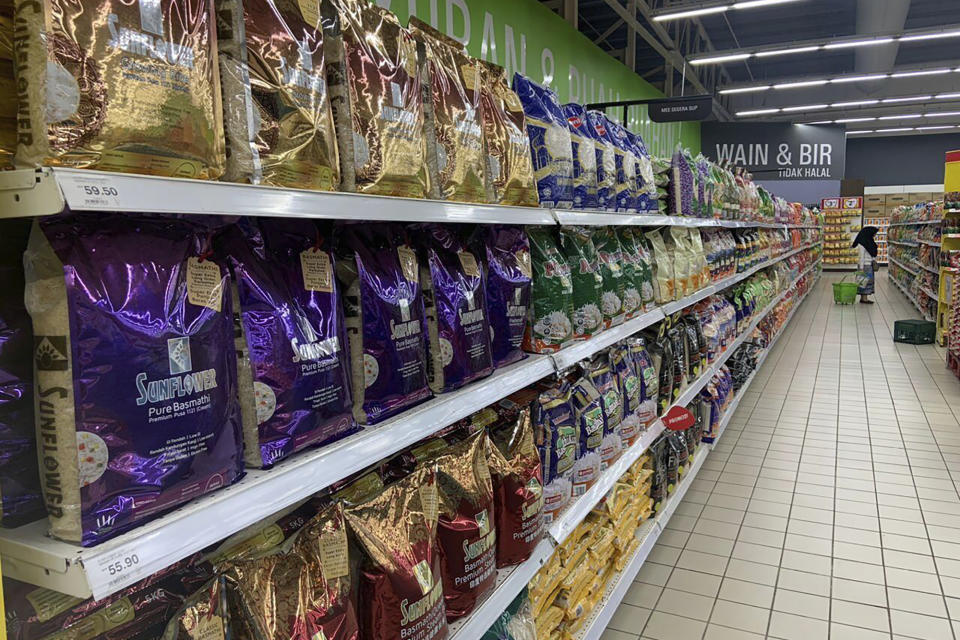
[279, 127]
[375, 95]
[509, 171]
[203, 616]
[449, 85]
[117, 85]
[301, 589]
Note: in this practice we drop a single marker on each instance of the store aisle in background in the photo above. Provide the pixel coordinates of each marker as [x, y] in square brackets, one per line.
[830, 507]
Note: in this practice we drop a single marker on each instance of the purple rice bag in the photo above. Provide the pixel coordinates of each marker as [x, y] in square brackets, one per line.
[292, 365]
[508, 281]
[386, 323]
[453, 294]
[135, 369]
[20, 496]
[555, 431]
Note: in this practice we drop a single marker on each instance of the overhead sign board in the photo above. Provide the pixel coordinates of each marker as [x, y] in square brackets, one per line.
[778, 151]
[680, 109]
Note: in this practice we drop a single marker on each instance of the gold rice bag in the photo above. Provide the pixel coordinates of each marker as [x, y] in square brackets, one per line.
[276, 108]
[375, 95]
[449, 85]
[117, 85]
[509, 170]
[8, 95]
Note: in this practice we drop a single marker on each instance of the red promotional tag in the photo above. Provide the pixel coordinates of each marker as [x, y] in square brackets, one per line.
[678, 419]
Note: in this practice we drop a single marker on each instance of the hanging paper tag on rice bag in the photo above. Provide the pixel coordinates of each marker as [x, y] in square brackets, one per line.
[119, 86]
[385, 319]
[551, 301]
[292, 359]
[400, 585]
[135, 369]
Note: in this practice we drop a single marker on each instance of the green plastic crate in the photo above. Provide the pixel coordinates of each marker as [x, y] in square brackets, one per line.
[915, 331]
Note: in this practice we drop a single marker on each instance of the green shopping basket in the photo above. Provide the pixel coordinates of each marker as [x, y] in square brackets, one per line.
[844, 292]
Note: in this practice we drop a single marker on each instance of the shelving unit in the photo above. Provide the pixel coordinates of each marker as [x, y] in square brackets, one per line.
[881, 223]
[841, 218]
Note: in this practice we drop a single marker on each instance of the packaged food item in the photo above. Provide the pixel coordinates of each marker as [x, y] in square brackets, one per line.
[584, 157]
[135, 370]
[517, 489]
[700, 256]
[400, 588]
[550, 146]
[385, 319]
[581, 255]
[606, 161]
[611, 269]
[646, 180]
[588, 410]
[137, 93]
[634, 270]
[629, 385]
[139, 612]
[515, 623]
[659, 481]
[376, 100]
[600, 374]
[450, 89]
[676, 245]
[556, 496]
[300, 588]
[204, 613]
[555, 431]
[625, 163]
[8, 106]
[509, 171]
[550, 321]
[292, 366]
[276, 107]
[21, 499]
[681, 184]
[456, 310]
[665, 282]
[647, 374]
[509, 273]
[466, 533]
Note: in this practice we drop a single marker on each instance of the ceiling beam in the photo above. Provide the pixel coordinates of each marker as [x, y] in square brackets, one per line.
[571, 12]
[609, 32]
[631, 53]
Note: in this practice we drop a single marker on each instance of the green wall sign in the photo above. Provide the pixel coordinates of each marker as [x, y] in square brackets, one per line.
[525, 36]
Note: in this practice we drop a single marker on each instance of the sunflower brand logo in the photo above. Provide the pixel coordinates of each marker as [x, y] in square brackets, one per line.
[424, 576]
[178, 354]
[50, 353]
[183, 381]
[483, 523]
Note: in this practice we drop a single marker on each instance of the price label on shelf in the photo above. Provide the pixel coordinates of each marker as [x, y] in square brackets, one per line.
[90, 192]
[114, 570]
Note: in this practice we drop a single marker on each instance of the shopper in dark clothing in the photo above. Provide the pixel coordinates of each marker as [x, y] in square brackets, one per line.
[866, 276]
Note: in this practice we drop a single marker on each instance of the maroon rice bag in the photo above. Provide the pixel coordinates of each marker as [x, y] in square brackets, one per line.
[139, 612]
[508, 280]
[385, 319]
[517, 489]
[292, 365]
[453, 293]
[400, 589]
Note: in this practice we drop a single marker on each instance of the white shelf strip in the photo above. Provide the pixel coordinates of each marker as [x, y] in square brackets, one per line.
[914, 223]
[929, 243]
[902, 266]
[927, 268]
[903, 244]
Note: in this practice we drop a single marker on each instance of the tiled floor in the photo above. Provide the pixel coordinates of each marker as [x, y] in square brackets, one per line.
[830, 508]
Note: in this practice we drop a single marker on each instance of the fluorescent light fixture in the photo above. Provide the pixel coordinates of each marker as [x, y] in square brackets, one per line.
[692, 13]
[783, 52]
[930, 36]
[820, 122]
[859, 131]
[805, 107]
[938, 126]
[904, 116]
[914, 74]
[906, 99]
[943, 96]
[941, 114]
[846, 120]
[857, 43]
[753, 4]
[762, 87]
[804, 83]
[757, 112]
[730, 58]
[894, 130]
[873, 76]
[853, 103]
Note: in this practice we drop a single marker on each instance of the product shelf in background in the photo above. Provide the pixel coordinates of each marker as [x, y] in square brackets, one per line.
[927, 268]
[41, 192]
[903, 244]
[903, 266]
[929, 243]
[910, 224]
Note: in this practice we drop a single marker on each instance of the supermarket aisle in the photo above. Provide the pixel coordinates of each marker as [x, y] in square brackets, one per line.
[830, 507]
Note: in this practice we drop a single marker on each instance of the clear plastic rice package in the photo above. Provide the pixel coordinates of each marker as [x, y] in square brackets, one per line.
[675, 243]
[450, 84]
[135, 369]
[292, 353]
[665, 282]
[21, 500]
[509, 171]
[606, 161]
[699, 256]
[550, 320]
[550, 145]
[581, 255]
[515, 623]
[451, 275]
[611, 269]
[584, 157]
[376, 100]
[508, 281]
[119, 86]
[276, 107]
[386, 322]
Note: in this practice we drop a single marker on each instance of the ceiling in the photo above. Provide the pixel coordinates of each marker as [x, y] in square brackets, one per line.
[791, 24]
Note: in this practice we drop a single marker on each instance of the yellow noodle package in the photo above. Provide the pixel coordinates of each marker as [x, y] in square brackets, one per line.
[276, 108]
[119, 85]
